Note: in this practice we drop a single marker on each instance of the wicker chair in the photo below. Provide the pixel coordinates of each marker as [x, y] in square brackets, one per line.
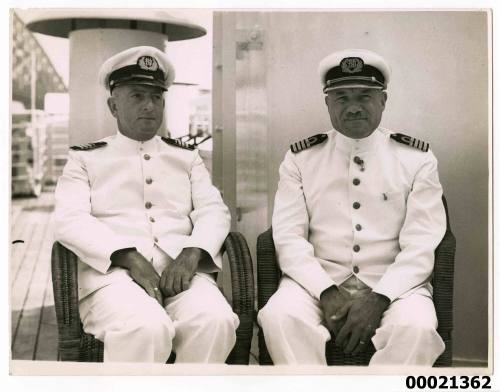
[268, 276]
[76, 345]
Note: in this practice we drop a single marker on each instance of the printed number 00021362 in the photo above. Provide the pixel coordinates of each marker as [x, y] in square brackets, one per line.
[446, 382]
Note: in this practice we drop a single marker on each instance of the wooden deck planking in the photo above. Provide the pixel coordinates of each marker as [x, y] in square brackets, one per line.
[28, 329]
[30, 228]
[22, 276]
[30, 274]
[47, 328]
[35, 274]
[46, 349]
[15, 213]
[23, 230]
[24, 214]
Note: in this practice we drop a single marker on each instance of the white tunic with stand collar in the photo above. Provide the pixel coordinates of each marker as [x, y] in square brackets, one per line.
[136, 194]
[370, 207]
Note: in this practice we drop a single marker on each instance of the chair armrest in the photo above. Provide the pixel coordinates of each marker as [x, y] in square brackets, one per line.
[268, 271]
[268, 276]
[442, 279]
[65, 286]
[240, 264]
[243, 293]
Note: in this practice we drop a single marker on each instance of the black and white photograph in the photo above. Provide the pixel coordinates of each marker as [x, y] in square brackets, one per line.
[253, 192]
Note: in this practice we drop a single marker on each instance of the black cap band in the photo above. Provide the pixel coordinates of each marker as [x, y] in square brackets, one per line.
[365, 74]
[135, 74]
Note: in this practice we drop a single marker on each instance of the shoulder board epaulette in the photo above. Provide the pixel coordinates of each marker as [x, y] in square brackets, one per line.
[410, 141]
[309, 142]
[88, 146]
[177, 143]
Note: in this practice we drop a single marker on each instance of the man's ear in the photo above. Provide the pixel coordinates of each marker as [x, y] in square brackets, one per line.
[112, 105]
[384, 98]
[326, 100]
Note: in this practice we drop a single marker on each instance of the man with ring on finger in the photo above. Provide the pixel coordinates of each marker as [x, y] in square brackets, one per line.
[357, 217]
[140, 212]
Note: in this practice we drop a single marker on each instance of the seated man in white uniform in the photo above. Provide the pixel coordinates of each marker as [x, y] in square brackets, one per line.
[141, 213]
[357, 217]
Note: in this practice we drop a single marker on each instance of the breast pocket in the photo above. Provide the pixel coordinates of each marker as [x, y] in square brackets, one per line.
[387, 212]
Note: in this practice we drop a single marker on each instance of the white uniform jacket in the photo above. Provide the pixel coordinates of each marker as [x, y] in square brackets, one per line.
[136, 194]
[380, 219]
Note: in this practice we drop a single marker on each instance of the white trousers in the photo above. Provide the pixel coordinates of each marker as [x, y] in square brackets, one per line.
[295, 333]
[197, 324]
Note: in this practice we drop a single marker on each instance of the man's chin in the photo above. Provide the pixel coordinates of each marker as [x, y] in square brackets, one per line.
[356, 133]
[148, 133]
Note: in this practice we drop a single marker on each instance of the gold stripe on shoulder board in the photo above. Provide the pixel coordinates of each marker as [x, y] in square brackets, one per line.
[304, 144]
[177, 143]
[88, 146]
[410, 141]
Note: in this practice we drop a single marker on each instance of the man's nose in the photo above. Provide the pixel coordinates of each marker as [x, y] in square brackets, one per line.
[148, 103]
[354, 109]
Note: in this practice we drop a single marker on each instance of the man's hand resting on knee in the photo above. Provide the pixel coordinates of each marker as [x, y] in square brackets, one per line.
[176, 277]
[335, 305]
[140, 269]
[363, 318]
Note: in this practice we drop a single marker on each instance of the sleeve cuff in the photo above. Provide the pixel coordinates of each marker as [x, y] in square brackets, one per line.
[209, 263]
[322, 286]
[315, 282]
[387, 292]
[102, 261]
[203, 245]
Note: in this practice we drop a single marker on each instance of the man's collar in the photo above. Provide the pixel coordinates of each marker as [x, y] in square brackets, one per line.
[128, 144]
[354, 146]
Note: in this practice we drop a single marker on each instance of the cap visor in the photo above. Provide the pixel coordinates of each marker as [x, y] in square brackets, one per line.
[354, 85]
[140, 82]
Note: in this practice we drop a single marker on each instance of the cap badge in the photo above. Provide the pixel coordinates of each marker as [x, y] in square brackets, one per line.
[351, 64]
[147, 63]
